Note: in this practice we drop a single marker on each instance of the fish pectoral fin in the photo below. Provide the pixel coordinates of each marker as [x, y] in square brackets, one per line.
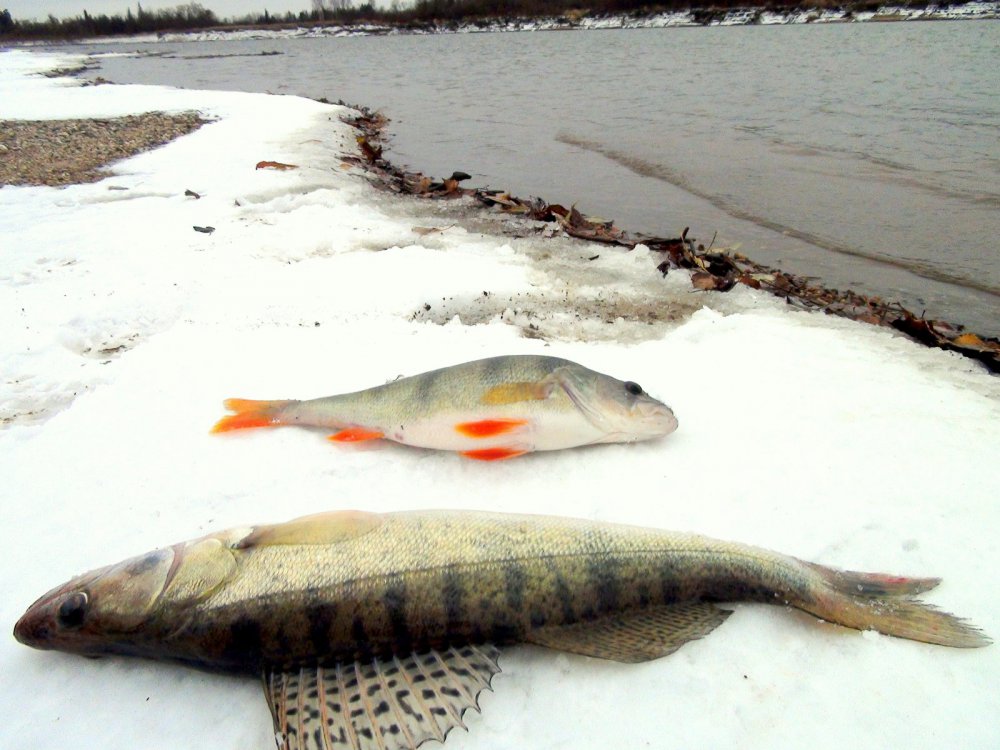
[513, 393]
[397, 703]
[485, 428]
[356, 435]
[636, 636]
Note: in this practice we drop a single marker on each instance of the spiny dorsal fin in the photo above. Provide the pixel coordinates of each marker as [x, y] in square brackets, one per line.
[383, 704]
[321, 528]
[639, 636]
[512, 393]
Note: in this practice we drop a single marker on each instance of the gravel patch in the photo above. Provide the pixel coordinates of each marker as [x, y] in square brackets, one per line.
[66, 152]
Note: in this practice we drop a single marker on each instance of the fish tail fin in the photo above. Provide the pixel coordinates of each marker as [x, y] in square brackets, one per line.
[885, 603]
[250, 414]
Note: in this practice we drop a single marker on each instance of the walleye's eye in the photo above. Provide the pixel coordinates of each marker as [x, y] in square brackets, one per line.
[72, 610]
[634, 388]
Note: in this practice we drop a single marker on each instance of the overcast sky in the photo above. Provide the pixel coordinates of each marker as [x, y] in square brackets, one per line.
[25, 10]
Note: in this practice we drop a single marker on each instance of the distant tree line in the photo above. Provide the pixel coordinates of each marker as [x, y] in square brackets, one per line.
[421, 13]
[468, 10]
[189, 16]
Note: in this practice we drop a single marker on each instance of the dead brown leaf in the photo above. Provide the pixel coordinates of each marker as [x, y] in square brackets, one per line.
[704, 281]
[424, 231]
[968, 339]
[275, 165]
[371, 153]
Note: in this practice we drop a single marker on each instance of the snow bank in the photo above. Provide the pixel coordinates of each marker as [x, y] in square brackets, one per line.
[747, 16]
[123, 330]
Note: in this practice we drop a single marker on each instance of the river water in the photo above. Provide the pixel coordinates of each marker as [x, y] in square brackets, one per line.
[865, 155]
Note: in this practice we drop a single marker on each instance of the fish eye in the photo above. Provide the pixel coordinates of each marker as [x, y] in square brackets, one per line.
[634, 388]
[72, 610]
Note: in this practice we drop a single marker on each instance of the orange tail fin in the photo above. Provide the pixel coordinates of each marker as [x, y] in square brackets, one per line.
[250, 414]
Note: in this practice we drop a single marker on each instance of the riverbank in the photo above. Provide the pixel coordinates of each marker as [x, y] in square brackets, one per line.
[819, 175]
[710, 15]
[712, 269]
[124, 328]
[73, 151]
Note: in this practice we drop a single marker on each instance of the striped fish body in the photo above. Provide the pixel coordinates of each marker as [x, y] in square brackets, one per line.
[413, 581]
[491, 408]
[343, 585]
[426, 410]
[378, 631]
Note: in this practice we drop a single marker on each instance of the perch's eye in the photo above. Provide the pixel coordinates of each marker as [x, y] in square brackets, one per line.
[634, 388]
[72, 611]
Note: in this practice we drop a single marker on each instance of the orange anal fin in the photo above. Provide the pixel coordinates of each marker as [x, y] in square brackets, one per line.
[489, 427]
[249, 414]
[356, 435]
[493, 454]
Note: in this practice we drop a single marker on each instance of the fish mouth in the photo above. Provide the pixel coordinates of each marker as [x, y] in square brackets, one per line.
[39, 627]
[659, 418]
[32, 631]
[23, 630]
[648, 425]
[36, 627]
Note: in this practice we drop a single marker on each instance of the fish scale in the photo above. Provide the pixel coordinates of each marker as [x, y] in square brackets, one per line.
[502, 586]
[488, 409]
[377, 632]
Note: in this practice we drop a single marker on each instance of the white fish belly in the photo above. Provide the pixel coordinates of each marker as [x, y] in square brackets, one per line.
[542, 431]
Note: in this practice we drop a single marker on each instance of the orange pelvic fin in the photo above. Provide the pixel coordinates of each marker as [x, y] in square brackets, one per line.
[250, 414]
[355, 435]
[489, 427]
[493, 454]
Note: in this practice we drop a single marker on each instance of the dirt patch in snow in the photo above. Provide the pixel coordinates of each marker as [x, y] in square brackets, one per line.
[66, 152]
[571, 317]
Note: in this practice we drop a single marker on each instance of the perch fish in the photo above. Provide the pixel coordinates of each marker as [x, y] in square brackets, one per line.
[377, 632]
[489, 409]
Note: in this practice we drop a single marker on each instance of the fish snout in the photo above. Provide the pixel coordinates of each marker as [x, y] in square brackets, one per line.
[657, 418]
[35, 628]
[668, 420]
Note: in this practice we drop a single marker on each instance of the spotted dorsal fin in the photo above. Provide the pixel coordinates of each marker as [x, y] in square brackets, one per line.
[321, 528]
[637, 636]
[379, 704]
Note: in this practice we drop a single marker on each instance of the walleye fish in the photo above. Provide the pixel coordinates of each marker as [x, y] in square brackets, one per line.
[379, 631]
[489, 409]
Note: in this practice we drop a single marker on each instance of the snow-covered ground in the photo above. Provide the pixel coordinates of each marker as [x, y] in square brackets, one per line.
[123, 329]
